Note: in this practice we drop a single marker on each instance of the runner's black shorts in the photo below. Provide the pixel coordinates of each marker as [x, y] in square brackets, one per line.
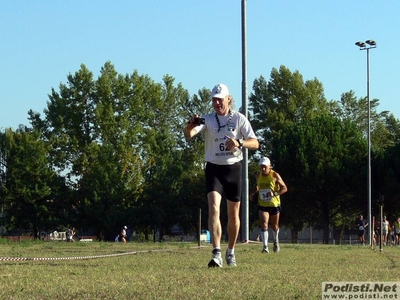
[271, 210]
[225, 179]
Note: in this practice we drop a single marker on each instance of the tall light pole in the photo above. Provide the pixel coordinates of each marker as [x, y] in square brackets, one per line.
[369, 44]
[245, 174]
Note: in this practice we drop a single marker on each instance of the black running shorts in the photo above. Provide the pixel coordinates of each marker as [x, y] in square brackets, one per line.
[271, 209]
[225, 178]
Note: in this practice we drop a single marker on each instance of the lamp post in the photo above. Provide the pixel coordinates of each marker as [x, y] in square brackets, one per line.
[369, 44]
[245, 172]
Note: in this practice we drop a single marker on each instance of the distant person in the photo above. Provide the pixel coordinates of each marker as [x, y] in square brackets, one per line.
[269, 188]
[226, 132]
[385, 230]
[396, 225]
[392, 235]
[70, 234]
[122, 235]
[377, 231]
[361, 225]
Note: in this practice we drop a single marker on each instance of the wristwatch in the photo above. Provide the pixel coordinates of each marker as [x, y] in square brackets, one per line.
[240, 141]
[276, 194]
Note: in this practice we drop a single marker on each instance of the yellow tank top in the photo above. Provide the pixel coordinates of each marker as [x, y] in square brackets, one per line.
[397, 227]
[267, 184]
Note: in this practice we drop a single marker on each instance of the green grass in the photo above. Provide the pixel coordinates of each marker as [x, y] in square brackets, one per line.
[179, 271]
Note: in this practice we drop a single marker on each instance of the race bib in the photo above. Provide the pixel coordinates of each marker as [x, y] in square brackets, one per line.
[360, 227]
[265, 195]
[220, 149]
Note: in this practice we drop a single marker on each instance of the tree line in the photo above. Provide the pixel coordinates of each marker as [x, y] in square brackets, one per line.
[110, 151]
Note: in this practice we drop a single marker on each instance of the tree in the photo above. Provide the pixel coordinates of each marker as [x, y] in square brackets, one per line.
[277, 106]
[161, 149]
[386, 182]
[323, 160]
[95, 128]
[285, 99]
[385, 128]
[26, 188]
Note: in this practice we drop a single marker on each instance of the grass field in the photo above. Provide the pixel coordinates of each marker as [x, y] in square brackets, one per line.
[179, 270]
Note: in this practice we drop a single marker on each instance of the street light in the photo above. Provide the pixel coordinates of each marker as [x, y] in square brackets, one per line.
[369, 44]
[245, 172]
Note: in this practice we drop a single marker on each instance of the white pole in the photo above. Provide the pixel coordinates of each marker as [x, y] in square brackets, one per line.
[369, 149]
[245, 175]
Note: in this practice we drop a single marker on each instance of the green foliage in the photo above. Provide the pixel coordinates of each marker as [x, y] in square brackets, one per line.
[110, 151]
[384, 127]
[317, 146]
[324, 159]
[285, 99]
[113, 137]
[386, 178]
[27, 180]
[139, 237]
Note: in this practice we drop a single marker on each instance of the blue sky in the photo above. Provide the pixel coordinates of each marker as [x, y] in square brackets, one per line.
[198, 42]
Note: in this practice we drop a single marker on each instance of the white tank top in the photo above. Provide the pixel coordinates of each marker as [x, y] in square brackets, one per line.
[235, 126]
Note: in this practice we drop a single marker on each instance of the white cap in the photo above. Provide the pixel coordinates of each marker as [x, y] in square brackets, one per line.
[220, 91]
[125, 227]
[264, 161]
